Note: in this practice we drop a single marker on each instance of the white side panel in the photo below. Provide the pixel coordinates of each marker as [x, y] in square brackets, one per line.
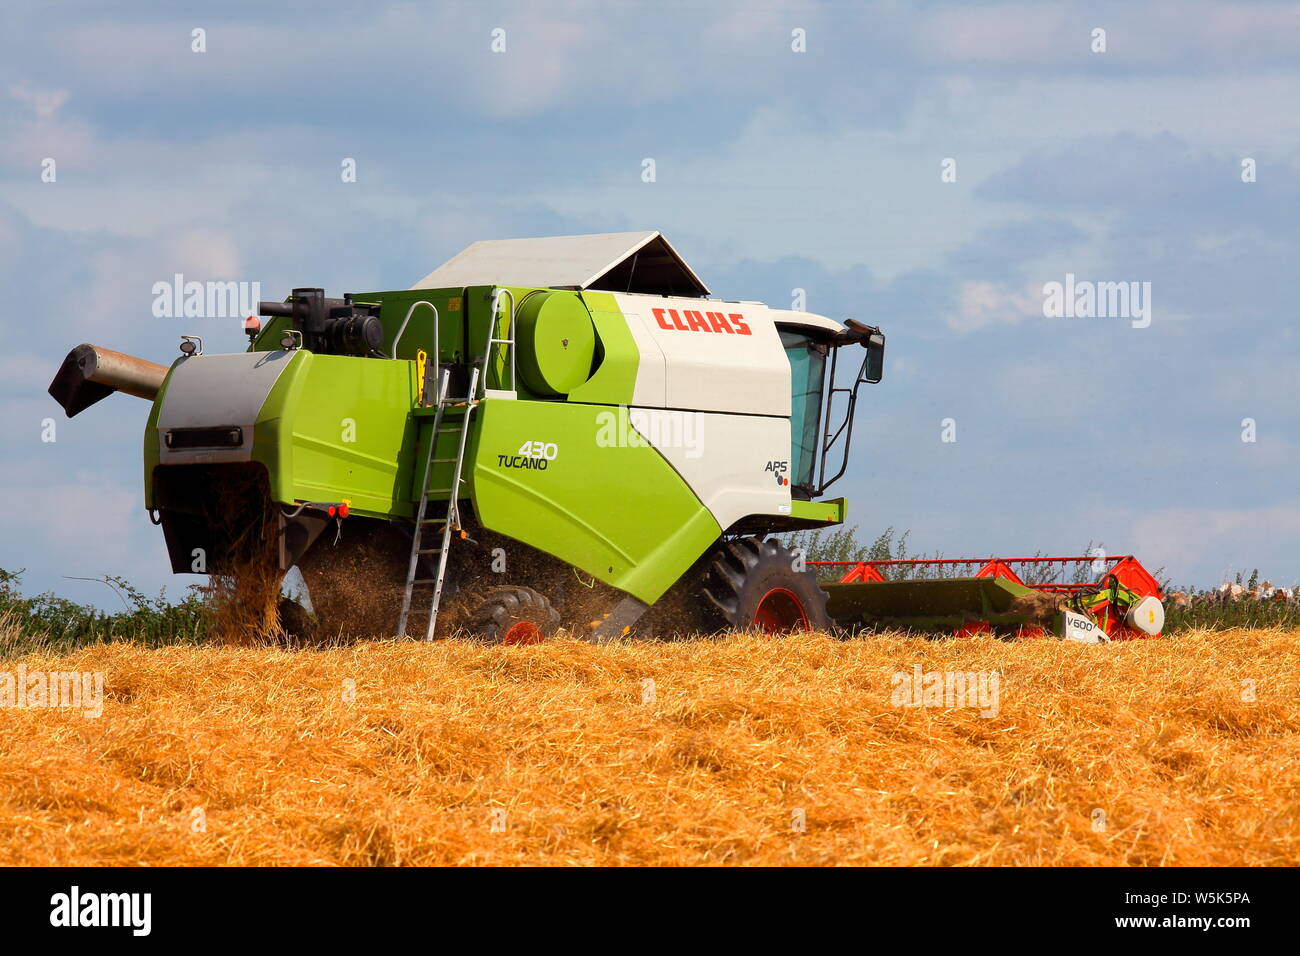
[720, 356]
[737, 465]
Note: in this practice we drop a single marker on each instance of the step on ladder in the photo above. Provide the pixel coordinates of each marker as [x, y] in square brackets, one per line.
[446, 524]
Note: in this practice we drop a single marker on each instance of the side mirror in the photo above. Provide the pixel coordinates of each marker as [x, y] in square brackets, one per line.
[871, 339]
[873, 368]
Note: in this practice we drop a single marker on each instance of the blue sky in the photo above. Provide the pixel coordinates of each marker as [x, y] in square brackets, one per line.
[776, 170]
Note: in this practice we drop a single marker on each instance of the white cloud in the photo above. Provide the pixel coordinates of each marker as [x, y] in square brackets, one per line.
[1234, 539]
[23, 371]
[77, 522]
[119, 293]
[1159, 34]
[43, 103]
[1019, 33]
[981, 304]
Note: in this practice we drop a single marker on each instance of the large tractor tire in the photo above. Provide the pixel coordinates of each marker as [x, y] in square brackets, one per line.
[510, 614]
[753, 585]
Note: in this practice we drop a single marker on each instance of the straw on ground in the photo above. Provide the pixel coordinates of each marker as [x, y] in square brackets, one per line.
[744, 750]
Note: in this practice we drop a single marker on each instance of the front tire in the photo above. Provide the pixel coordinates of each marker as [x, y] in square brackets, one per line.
[753, 585]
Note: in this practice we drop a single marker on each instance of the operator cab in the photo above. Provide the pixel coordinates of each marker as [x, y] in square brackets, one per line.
[813, 393]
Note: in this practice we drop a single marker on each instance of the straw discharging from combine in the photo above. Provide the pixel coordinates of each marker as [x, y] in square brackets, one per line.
[243, 592]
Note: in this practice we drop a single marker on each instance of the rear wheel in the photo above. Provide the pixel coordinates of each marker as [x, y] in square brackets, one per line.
[512, 614]
[753, 585]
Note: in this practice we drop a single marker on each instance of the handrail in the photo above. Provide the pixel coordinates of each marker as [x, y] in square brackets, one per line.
[397, 338]
[829, 440]
[493, 340]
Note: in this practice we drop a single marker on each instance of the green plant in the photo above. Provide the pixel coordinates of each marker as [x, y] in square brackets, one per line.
[51, 621]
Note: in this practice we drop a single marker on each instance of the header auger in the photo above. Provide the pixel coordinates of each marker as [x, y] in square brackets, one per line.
[540, 433]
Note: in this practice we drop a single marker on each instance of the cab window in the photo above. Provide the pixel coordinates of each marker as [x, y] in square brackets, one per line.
[807, 374]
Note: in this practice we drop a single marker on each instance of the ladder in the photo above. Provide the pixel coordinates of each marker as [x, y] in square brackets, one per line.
[451, 521]
[496, 341]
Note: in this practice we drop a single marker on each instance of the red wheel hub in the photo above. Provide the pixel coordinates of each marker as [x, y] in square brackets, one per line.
[523, 632]
[780, 610]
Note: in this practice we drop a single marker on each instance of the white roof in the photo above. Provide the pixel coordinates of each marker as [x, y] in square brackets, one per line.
[611, 261]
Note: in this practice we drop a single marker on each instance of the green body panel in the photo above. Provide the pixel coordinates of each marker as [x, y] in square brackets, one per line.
[614, 380]
[336, 427]
[621, 514]
[556, 342]
[151, 454]
[450, 304]
[818, 513]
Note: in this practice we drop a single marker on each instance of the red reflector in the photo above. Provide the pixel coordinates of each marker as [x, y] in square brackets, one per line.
[343, 510]
[331, 511]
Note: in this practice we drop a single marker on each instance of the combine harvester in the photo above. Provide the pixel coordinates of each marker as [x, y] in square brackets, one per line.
[546, 432]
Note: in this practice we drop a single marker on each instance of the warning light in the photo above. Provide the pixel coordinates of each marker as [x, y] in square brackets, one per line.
[252, 326]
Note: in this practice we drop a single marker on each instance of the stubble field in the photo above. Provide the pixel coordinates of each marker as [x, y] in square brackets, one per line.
[742, 750]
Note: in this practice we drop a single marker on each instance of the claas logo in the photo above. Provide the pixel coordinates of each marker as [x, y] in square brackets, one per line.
[778, 470]
[689, 320]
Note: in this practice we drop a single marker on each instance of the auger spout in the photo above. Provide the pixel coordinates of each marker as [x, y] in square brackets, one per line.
[90, 374]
